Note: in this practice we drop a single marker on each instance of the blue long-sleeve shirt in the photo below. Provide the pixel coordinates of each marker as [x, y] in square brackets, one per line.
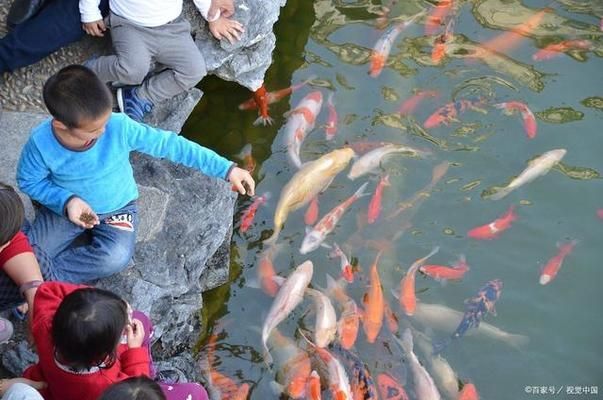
[101, 175]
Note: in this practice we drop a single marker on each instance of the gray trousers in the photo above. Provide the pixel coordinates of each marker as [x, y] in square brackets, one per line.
[136, 47]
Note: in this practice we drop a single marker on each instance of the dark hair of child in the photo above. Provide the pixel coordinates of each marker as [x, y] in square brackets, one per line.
[76, 94]
[87, 328]
[11, 213]
[135, 388]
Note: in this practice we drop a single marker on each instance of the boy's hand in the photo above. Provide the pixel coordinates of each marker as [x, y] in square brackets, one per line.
[80, 213]
[241, 178]
[224, 28]
[95, 28]
[135, 334]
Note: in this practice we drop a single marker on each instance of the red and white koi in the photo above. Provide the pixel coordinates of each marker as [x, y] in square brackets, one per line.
[347, 271]
[444, 273]
[300, 121]
[550, 270]
[469, 392]
[249, 213]
[316, 235]
[529, 120]
[331, 127]
[311, 214]
[437, 16]
[384, 44]
[450, 112]
[293, 365]
[408, 106]
[374, 209]
[495, 228]
[313, 390]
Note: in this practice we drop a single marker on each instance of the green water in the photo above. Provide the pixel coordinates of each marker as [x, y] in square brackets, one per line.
[331, 40]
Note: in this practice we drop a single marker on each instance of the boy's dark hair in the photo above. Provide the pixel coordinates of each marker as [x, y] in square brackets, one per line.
[87, 327]
[135, 388]
[11, 213]
[75, 94]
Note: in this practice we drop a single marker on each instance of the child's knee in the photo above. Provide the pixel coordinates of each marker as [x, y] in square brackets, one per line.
[131, 71]
[115, 259]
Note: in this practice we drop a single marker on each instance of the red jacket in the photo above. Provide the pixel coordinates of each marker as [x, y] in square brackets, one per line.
[64, 385]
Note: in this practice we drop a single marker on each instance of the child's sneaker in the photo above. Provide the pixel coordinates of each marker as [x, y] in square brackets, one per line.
[132, 105]
[6, 330]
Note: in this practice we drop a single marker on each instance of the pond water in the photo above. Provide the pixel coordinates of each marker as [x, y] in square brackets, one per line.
[330, 42]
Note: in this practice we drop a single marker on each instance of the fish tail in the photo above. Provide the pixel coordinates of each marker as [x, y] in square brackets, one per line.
[361, 191]
[517, 341]
[406, 342]
[500, 194]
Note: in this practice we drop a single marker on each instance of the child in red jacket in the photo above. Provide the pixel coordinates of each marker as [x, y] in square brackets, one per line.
[87, 340]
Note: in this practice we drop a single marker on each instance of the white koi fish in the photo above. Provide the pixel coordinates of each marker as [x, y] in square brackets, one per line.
[425, 388]
[325, 326]
[371, 160]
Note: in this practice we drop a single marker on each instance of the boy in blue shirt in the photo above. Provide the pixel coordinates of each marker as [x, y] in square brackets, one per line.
[76, 165]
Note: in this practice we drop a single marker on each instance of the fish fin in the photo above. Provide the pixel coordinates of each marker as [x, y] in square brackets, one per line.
[263, 121]
[406, 342]
[326, 246]
[279, 280]
[517, 341]
[360, 192]
[395, 294]
[246, 150]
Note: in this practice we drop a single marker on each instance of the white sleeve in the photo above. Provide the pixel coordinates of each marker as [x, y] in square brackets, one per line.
[89, 11]
[203, 7]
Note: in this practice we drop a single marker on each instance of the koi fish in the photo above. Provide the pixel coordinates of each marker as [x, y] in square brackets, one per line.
[249, 213]
[339, 382]
[536, 167]
[361, 381]
[556, 49]
[529, 120]
[443, 375]
[362, 147]
[384, 44]
[325, 326]
[249, 162]
[264, 98]
[390, 318]
[408, 106]
[439, 45]
[495, 228]
[373, 159]
[550, 270]
[316, 235]
[437, 16]
[290, 294]
[425, 388]
[311, 214]
[313, 390]
[442, 273]
[313, 178]
[293, 365]
[408, 299]
[469, 392]
[349, 321]
[449, 112]
[511, 39]
[476, 308]
[390, 389]
[266, 272]
[300, 121]
[331, 128]
[374, 209]
[346, 268]
[373, 301]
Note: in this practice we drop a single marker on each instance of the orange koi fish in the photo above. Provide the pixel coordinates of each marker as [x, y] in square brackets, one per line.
[408, 298]
[222, 386]
[449, 112]
[293, 365]
[443, 273]
[349, 321]
[408, 106]
[311, 214]
[384, 44]
[313, 391]
[264, 98]
[529, 120]
[469, 392]
[390, 389]
[374, 209]
[347, 271]
[331, 128]
[372, 318]
[556, 49]
[439, 45]
[495, 228]
[249, 162]
[550, 270]
[437, 16]
[511, 39]
[266, 272]
[249, 213]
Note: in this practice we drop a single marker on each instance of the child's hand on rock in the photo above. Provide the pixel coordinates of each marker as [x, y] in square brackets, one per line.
[225, 28]
[241, 179]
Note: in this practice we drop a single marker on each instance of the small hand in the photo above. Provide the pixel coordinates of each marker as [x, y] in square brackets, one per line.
[135, 334]
[80, 213]
[224, 28]
[240, 178]
[95, 28]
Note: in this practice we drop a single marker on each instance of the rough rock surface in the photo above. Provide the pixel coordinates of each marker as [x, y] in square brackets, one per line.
[182, 246]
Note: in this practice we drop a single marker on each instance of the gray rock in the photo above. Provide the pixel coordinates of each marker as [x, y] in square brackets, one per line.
[172, 113]
[182, 247]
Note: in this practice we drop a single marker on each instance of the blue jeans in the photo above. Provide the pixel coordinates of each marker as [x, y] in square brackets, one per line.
[56, 25]
[107, 250]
